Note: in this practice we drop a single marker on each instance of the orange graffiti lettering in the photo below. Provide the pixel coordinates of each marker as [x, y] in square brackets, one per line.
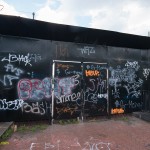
[64, 66]
[67, 109]
[92, 73]
[117, 111]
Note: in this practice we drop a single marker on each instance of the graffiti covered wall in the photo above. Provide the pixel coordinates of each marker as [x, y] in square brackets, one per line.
[26, 79]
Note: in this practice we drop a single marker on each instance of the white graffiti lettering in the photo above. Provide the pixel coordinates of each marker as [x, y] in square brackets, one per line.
[7, 80]
[95, 67]
[34, 145]
[11, 105]
[74, 97]
[19, 58]
[132, 65]
[68, 72]
[116, 93]
[127, 75]
[91, 144]
[87, 50]
[11, 68]
[26, 59]
[35, 57]
[102, 95]
[132, 89]
[146, 72]
[129, 104]
[96, 144]
[58, 71]
[36, 108]
[126, 78]
[97, 90]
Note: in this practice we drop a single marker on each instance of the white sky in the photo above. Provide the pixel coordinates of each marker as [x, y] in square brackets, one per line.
[128, 16]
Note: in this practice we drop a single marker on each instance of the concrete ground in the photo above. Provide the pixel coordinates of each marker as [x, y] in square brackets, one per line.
[117, 133]
[4, 126]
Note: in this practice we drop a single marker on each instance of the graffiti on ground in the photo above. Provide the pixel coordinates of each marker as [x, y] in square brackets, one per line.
[91, 144]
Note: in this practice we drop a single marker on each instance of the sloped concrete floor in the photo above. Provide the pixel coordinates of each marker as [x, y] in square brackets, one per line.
[142, 115]
[117, 133]
[4, 126]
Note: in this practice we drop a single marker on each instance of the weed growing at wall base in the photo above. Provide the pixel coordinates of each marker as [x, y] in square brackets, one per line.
[125, 118]
[34, 128]
[7, 134]
[70, 121]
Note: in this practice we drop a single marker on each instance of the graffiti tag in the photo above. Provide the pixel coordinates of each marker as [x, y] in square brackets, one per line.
[35, 108]
[11, 105]
[26, 59]
[146, 72]
[87, 50]
[92, 73]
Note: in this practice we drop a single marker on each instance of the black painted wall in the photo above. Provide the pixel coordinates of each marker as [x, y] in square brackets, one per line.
[26, 79]
[80, 88]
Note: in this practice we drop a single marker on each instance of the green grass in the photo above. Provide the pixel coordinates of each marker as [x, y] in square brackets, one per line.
[31, 128]
[23, 128]
[69, 121]
[7, 134]
[123, 118]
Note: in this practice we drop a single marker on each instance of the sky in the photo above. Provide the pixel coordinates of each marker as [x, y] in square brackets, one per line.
[126, 16]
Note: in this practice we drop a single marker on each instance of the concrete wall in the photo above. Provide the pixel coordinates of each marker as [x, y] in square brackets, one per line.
[26, 79]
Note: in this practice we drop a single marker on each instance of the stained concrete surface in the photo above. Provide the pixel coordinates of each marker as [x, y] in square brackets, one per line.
[117, 133]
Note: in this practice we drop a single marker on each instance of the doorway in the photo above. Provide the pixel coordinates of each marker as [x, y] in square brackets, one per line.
[79, 89]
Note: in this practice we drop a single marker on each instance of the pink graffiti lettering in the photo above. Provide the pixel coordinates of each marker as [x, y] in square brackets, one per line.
[34, 88]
